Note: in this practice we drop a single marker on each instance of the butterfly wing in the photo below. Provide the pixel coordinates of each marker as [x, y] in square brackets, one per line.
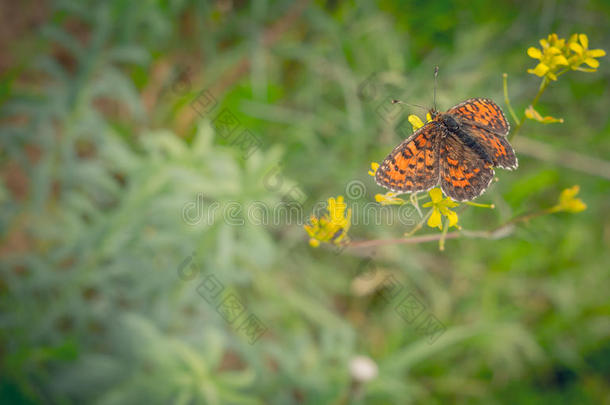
[485, 122]
[463, 174]
[484, 112]
[414, 164]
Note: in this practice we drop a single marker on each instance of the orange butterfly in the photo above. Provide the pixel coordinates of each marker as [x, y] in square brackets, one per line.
[457, 149]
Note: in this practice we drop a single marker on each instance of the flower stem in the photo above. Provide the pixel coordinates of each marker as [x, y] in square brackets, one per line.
[441, 241]
[506, 98]
[474, 204]
[543, 85]
[419, 225]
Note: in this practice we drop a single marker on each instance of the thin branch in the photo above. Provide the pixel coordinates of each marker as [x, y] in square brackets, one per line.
[405, 241]
[500, 232]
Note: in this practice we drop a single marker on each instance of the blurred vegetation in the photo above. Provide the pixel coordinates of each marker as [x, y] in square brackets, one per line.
[101, 150]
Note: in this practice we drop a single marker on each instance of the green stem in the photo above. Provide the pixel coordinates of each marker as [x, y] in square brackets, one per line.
[419, 225]
[506, 99]
[543, 85]
[441, 241]
[474, 204]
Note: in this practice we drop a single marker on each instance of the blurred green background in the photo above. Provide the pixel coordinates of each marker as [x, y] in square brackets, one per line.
[102, 152]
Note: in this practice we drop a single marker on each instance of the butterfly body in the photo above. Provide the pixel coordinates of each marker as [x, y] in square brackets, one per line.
[457, 150]
[453, 125]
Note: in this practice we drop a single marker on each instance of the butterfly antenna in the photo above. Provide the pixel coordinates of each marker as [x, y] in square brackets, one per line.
[434, 95]
[412, 105]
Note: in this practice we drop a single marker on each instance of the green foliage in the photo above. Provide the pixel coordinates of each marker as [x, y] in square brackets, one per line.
[101, 151]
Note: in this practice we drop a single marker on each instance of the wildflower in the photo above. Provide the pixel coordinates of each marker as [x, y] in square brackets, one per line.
[579, 44]
[441, 207]
[532, 114]
[568, 201]
[416, 122]
[374, 167]
[558, 55]
[389, 199]
[331, 227]
[552, 57]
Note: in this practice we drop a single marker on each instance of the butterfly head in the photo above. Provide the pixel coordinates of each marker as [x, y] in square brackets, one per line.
[449, 121]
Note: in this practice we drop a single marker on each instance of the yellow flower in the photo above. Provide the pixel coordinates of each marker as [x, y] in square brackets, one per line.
[552, 57]
[579, 44]
[374, 167]
[416, 122]
[331, 227]
[441, 207]
[558, 55]
[568, 201]
[389, 199]
[532, 114]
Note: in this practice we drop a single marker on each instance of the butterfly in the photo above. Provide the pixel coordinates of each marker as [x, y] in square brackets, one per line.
[457, 150]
